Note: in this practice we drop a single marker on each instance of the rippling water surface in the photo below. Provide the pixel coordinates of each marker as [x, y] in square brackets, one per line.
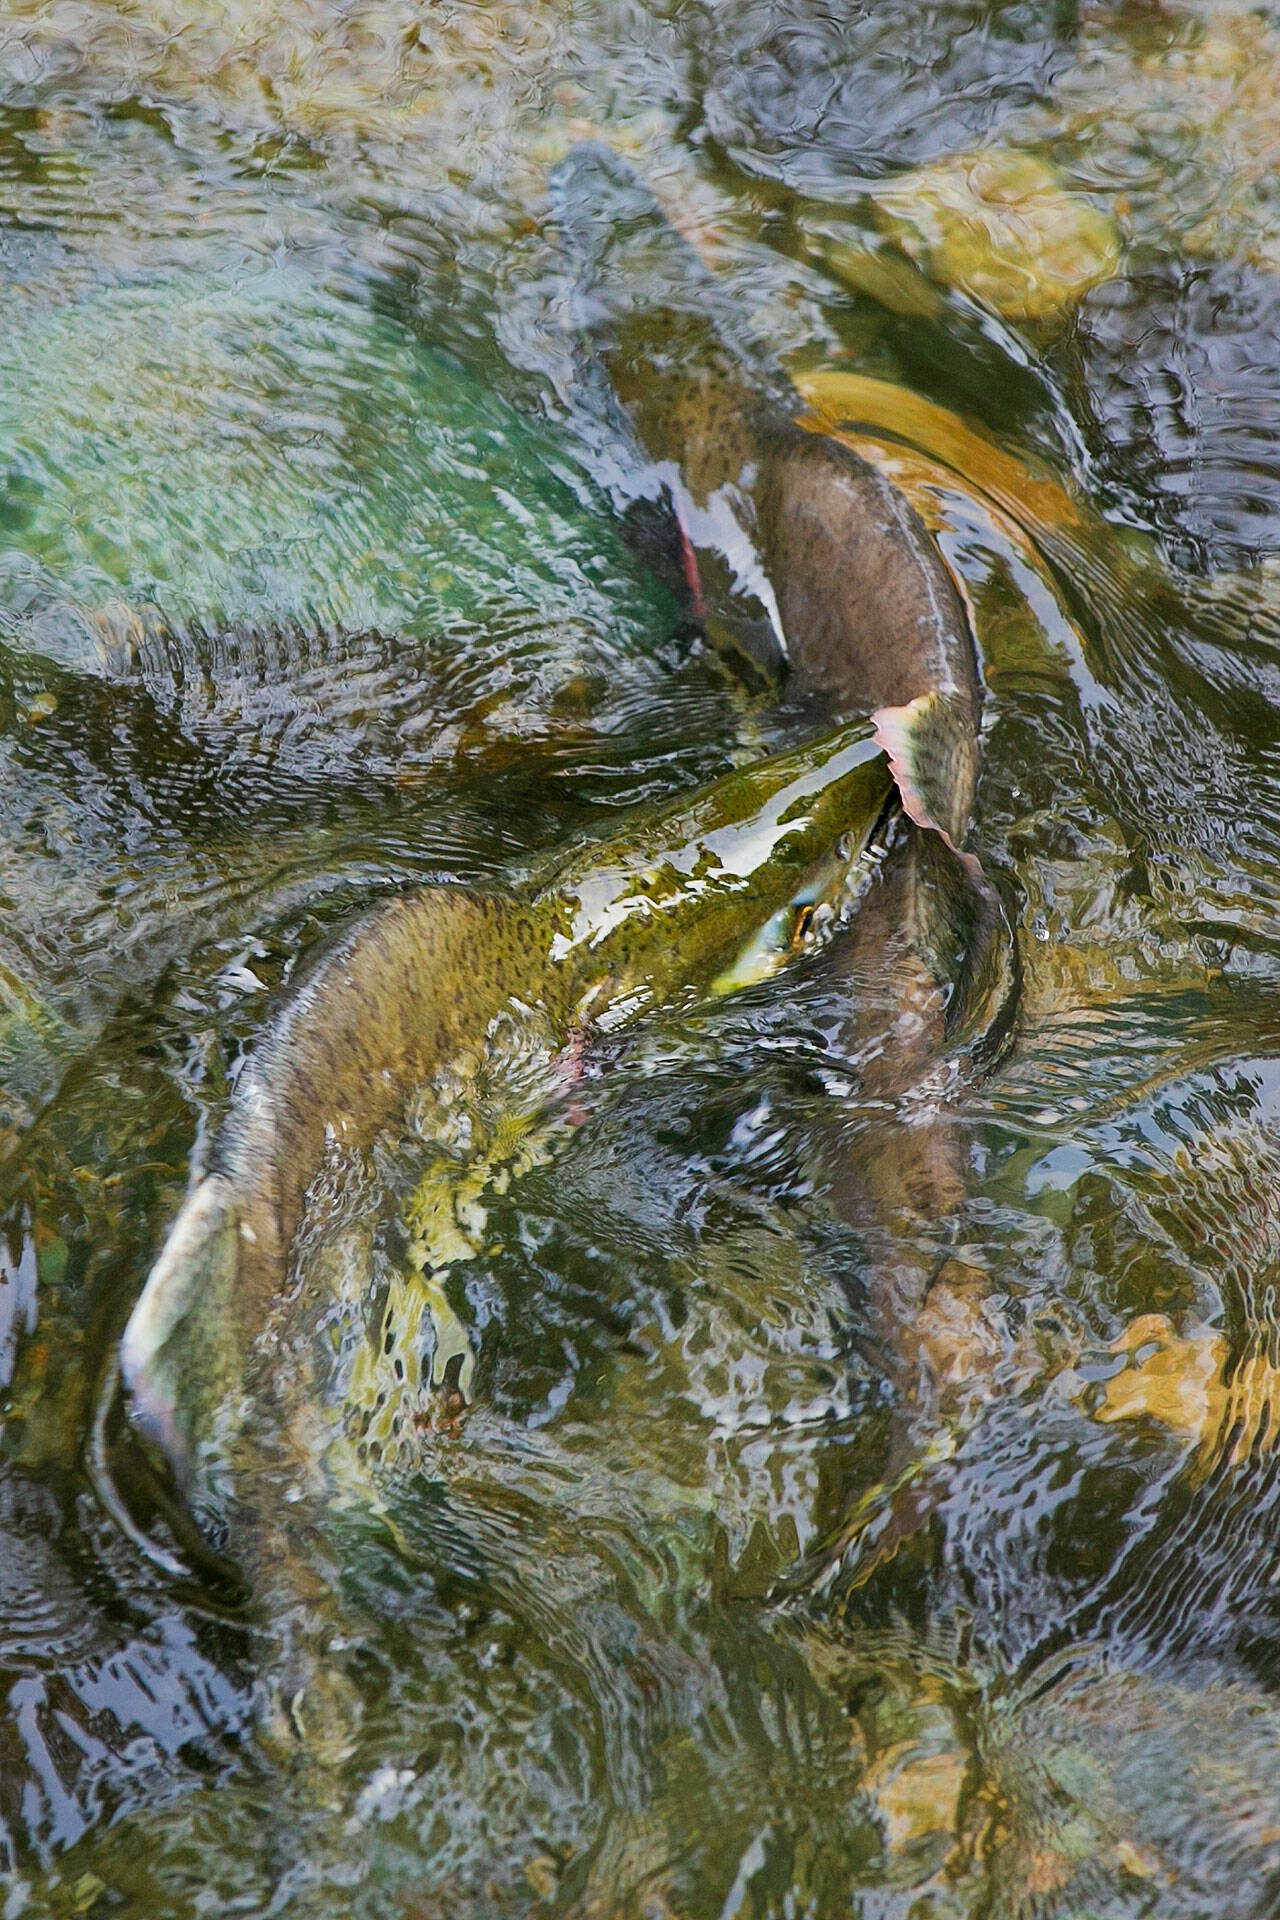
[312, 586]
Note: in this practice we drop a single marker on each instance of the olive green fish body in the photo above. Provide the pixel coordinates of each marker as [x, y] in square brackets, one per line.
[666, 906]
[428, 990]
[663, 327]
[392, 1001]
[690, 398]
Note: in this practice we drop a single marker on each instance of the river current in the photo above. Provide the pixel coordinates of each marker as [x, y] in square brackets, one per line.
[314, 586]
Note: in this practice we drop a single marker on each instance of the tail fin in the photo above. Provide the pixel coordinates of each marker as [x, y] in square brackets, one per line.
[168, 1355]
[963, 935]
[983, 1007]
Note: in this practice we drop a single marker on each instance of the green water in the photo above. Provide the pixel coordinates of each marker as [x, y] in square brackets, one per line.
[313, 584]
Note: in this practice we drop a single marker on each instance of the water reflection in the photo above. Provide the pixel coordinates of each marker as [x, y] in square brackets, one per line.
[827, 101]
[1176, 365]
[308, 594]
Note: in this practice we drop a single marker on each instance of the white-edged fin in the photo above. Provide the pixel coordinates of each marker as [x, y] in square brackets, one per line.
[192, 1266]
[932, 748]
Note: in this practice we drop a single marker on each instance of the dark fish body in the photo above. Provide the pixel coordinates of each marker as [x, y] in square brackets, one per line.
[799, 552]
[872, 618]
[805, 555]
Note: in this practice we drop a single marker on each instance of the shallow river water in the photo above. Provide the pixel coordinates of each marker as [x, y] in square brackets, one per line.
[313, 587]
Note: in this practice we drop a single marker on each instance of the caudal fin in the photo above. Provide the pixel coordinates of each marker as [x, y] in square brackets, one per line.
[932, 748]
[963, 934]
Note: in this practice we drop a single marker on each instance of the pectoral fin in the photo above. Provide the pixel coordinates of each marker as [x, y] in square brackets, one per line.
[932, 748]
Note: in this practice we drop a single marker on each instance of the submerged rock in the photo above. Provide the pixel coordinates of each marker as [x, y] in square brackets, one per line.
[810, 94]
[1075, 1786]
[1169, 111]
[1002, 227]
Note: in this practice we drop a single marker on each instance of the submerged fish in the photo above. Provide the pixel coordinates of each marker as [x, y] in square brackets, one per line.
[448, 990]
[808, 560]
[441, 990]
[796, 551]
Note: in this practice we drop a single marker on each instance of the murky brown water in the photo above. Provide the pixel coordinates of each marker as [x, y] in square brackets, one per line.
[285, 362]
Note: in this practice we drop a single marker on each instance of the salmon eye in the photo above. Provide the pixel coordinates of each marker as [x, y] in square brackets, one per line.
[804, 920]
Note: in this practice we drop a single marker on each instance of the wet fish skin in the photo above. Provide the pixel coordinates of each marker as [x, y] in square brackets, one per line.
[337, 1063]
[872, 618]
[416, 986]
[866, 616]
[412, 989]
[930, 980]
